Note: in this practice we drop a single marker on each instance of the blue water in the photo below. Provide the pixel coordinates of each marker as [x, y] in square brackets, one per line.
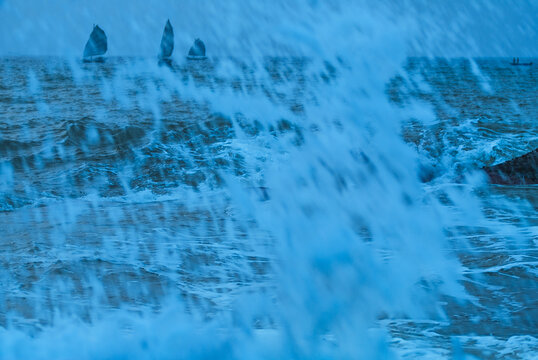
[294, 202]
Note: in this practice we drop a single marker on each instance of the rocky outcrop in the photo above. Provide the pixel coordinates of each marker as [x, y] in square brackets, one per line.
[522, 170]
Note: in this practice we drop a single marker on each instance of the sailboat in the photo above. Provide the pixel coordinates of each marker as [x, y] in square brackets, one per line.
[96, 46]
[167, 43]
[517, 63]
[197, 51]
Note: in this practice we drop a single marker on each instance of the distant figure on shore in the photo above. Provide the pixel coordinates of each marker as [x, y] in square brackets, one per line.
[96, 46]
[197, 51]
[167, 43]
[522, 170]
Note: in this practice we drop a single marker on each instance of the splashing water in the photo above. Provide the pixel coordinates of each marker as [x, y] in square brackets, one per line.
[270, 202]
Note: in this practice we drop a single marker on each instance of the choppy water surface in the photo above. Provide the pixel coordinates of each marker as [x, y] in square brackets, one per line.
[234, 209]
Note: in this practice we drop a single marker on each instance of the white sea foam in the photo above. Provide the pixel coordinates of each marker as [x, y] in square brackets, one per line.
[321, 243]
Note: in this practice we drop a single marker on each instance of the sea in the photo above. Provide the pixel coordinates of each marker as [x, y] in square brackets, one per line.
[270, 207]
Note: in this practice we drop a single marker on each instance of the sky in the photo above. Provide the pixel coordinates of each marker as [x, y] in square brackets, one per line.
[232, 27]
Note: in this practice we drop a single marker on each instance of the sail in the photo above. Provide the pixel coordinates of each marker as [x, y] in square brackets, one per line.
[97, 43]
[198, 49]
[167, 41]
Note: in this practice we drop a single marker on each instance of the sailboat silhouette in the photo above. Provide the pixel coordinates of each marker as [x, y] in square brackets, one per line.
[96, 46]
[197, 51]
[167, 42]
